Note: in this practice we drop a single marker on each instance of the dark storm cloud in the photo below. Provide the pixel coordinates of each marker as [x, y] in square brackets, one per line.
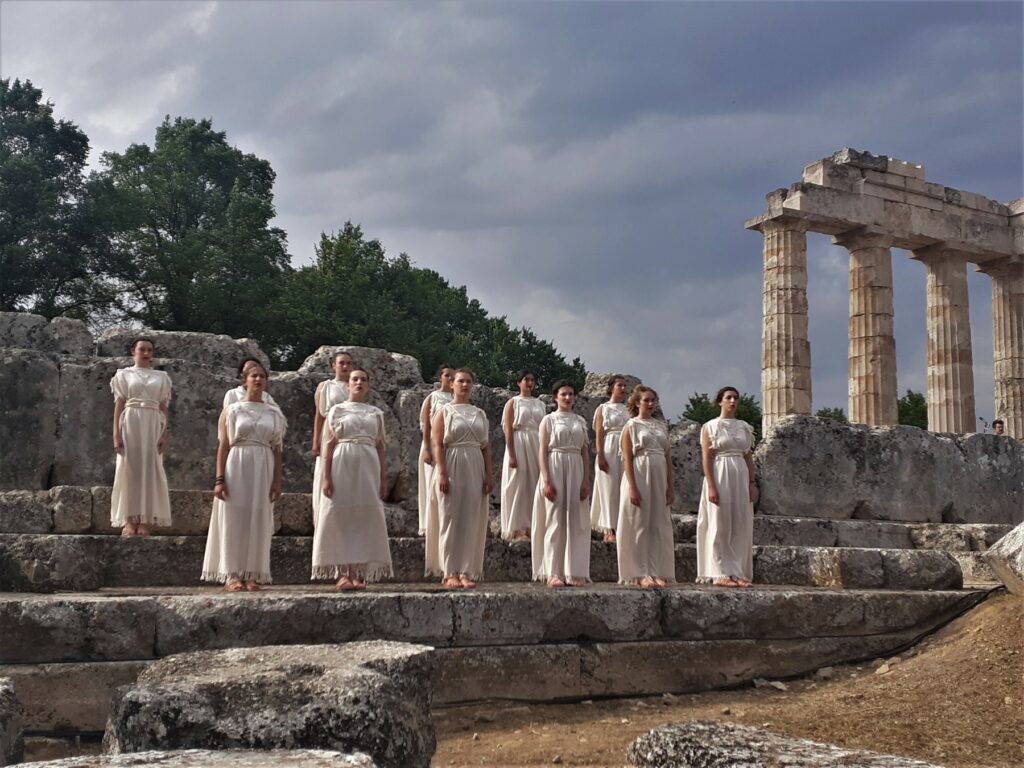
[585, 168]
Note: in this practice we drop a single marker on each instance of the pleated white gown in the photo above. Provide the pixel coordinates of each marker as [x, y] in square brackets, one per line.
[351, 529]
[561, 528]
[604, 505]
[519, 485]
[457, 521]
[424, 471]
[140, 484]
[644, 536]
[725, 531]
[238, 544]
[328, 394]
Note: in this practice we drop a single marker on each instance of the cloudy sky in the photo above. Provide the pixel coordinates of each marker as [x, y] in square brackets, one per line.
[584, 168]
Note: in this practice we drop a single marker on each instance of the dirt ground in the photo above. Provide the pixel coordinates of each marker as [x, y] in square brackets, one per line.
[956, 699]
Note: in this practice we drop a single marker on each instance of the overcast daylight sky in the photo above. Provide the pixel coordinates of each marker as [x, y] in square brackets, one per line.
[583, 168]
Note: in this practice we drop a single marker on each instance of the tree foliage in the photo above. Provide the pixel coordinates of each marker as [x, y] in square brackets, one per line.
[912, 410]
[701, 408]
[354, 293]
[43, 255]
[188, 244]
[832, 414]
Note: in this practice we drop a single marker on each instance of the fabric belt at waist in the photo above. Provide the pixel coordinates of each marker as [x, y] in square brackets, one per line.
[463, 444]
[249, 441]
[649, 452]
[616, 431]
[361, 440]
[138, 402]
[526, 429]
[564, 450]
[729, 453]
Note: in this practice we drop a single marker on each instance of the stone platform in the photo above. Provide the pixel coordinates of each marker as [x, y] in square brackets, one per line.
[67, 653]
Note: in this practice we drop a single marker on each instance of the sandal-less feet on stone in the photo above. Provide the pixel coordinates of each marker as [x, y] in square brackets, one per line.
[609, 537]
[141, 530]
[252, 586]
[660, 583]
[555, 583]
[726, 581]
[576, 583]
[648, 583]
[466, 582]
[129, 530]
[234, 586]
[344, 584]
[451, 582]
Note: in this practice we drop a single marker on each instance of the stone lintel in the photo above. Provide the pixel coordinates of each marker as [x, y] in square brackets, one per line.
[997, 266]
[864, 237]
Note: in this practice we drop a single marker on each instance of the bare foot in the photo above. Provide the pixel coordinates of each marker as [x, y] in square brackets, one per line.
[660, 583]
[234, 585]
[609, 537]
[358, 583]
[744, 583]
[648, 583]
[451, 582]
[141, 530]
[725, 581]
[521, 536]
[577, 583]
[129, 530]
[555, 583]
[466, 582]
[252, 586]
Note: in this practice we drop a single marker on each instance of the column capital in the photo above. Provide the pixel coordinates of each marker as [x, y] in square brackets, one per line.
[778, 223]
[1005, 265]
[940, 252]
[863, 237]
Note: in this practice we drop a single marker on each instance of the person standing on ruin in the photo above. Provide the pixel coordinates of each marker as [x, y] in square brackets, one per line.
[248, 482]
[142, 395]
[457, 518]
[350, 542]
[520, 422]
[561, 523]
[432, 405]
[609, 419]
[235, 394]
[725, 523]
[328, 393]
[646, 550]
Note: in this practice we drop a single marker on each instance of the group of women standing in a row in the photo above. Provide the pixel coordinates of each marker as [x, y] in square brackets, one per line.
[545, 480]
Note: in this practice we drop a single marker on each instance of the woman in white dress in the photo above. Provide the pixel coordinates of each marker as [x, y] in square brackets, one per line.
[139, 498]
[457, 519]
[248, 483]
[520, 470]
[432, 404]
[725, 523]
[350, 543]
[328, 393]
[645, 547]
[235, 394]
[609, 419]
[561, 523]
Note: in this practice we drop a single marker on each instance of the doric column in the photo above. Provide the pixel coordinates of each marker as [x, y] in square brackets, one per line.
[872, 356]
[1008, 341]
[785, 350]
[950, 365]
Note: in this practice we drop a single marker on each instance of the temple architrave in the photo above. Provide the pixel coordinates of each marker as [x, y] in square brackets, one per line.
[870, 204]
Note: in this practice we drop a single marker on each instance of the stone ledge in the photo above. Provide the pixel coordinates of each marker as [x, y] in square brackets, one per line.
[228, 758]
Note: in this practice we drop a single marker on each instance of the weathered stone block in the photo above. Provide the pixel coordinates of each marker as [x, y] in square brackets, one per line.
[25, 512]
[226, 758]
[687, 471]
[389, 371]
[542, 673]
[702, 744]
[60, 336]
[373, 697]
[12, 744]
[216, 350]
[28, 392]
[1006, 558]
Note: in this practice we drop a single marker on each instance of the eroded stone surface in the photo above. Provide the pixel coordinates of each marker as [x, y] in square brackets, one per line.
[60, 336]
[703, 744]
[374, 697]
[208, 349]
[1006, 559]
[28, 390]
[11, 738]
[227, 758]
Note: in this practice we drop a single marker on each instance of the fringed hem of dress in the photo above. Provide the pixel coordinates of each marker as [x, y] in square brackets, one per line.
[117, 521]
[371, 571]
[442, 575]
[511, 535]
[602, 529]
[636, 581]
[224, 578]
[713, 579]
[546, 576]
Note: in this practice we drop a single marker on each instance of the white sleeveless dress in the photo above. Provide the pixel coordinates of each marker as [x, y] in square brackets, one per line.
[519, 485]
[424, 471]
[604, 506]
[644, 536]
[140, 483]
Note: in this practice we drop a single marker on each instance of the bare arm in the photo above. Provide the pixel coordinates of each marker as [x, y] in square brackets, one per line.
[327, 457]
[626, 444]
[670, 490]
[118, 410]
[488, 470]
[602, 462]
[510, 442]
[550, 493]
[440, 460]
[164, 435]
[275, 489]
[383, 468]
[220, 488]
[585, 487]
[425, 428]
[707, 459]
[318, 419]
[749, 458]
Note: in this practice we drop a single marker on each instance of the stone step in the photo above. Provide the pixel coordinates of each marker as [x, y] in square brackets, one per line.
[47, 563]
[68, 653]
[77, 510]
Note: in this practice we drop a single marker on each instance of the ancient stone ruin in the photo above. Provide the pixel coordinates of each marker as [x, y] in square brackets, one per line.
[871, 204]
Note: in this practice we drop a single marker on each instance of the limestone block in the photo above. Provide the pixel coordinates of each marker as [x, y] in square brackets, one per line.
[29, 425]
[1006, 558]
[389, 371]
[542, 673]
[221, 758]
[687, 471]
[703, 744]
[72, 509]
[596, 384]
[216, 350]
[858, 159]
[975, 568]
[12, 743]
[25, 512]
[373, 697]
[408, 439]
[60, 336]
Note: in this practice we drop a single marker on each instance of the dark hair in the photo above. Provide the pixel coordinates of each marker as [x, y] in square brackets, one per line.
[999, 422]
[721, 394]
[560, 384]
[245, 364]
[466, 371]
[523, 373]
[441, 368]
[334, 357]
[135, 343]
[633, 404]
[611, 383]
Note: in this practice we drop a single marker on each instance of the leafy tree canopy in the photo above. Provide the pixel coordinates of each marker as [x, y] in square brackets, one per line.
[43, 262]
[913, 410]
[832, 414]
[702, 408]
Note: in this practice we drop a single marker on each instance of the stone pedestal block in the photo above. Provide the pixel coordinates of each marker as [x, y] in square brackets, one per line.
[1006, 559]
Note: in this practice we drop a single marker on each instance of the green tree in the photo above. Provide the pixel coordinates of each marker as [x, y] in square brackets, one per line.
[43, 263]
[913, 410]
[354, 293]
[701, 408]
[832, 414]
[187, 238]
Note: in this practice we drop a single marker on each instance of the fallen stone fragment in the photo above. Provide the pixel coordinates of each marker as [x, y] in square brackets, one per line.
[371, 697]
[11, 741]
[702, 744]
[233, 758]
[1006, 558]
